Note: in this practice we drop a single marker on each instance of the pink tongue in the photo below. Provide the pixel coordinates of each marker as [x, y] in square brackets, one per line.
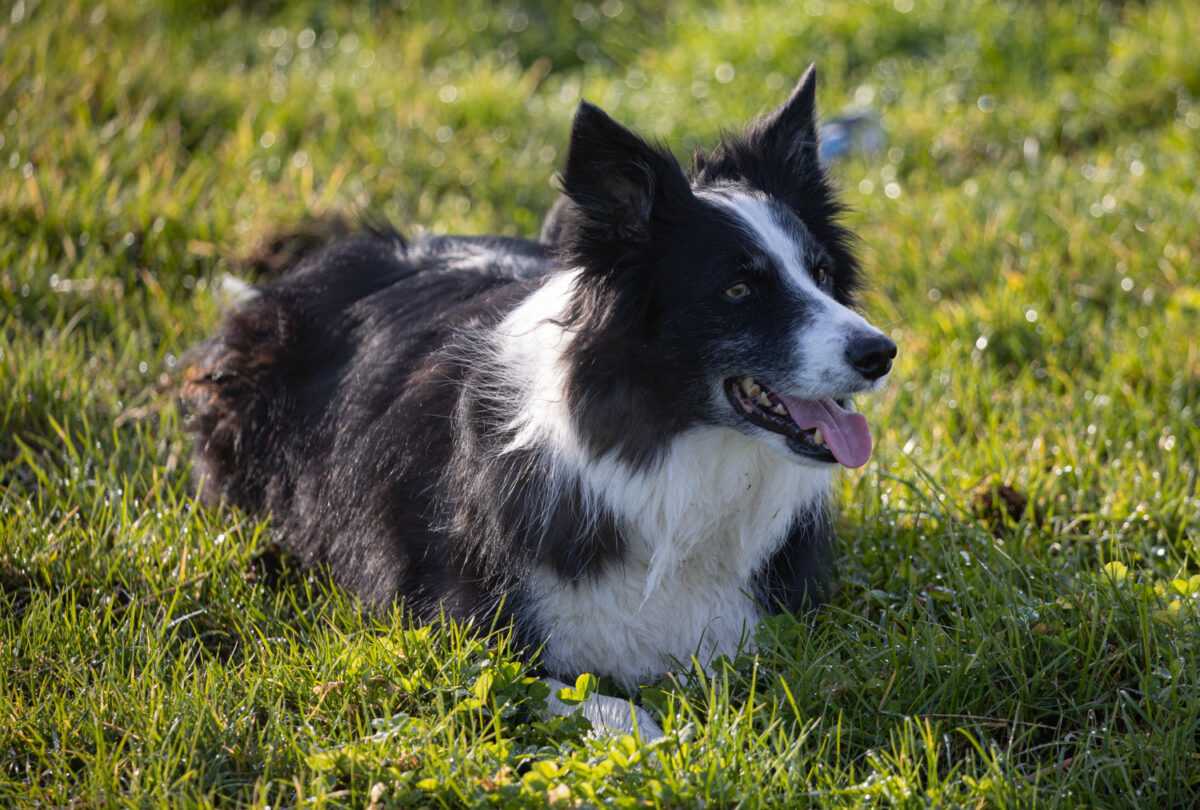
[846, 433]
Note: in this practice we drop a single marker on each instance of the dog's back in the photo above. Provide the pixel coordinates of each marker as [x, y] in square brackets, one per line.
[324, 400]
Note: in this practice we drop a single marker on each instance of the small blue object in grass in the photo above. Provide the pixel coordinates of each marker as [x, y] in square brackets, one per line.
[859, 131]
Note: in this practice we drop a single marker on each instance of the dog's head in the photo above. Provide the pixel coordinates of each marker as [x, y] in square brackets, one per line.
[724, 297]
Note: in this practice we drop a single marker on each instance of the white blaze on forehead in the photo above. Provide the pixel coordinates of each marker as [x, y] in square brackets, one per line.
[761, 220]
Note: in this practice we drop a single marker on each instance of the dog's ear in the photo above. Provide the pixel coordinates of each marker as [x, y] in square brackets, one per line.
[619, 183]
[790, 131]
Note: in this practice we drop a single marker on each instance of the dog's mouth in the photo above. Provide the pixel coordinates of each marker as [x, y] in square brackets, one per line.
[819, 429]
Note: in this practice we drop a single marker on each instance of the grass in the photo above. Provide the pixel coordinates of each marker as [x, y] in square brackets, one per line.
[1018, 621]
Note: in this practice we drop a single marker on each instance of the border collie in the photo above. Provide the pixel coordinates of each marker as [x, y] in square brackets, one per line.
[621, 439]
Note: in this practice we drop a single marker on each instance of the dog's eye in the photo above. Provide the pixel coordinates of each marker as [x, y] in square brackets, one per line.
[820, 275]
[736, 292]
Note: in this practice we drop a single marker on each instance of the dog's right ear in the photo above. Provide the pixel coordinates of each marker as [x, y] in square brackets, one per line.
[619, 183]
[789, 132]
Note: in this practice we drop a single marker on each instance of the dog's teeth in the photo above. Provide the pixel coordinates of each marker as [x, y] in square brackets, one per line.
[752, 388]
[763, 399]
[818, 438]
[779, 409]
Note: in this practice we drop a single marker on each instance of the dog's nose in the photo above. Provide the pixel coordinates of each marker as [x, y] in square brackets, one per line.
[871, 355]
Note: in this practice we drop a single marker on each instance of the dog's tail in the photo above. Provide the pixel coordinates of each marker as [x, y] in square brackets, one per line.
[248, 390]
[230, 398]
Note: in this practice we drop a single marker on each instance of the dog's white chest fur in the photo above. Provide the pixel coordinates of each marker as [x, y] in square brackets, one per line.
[699, 528]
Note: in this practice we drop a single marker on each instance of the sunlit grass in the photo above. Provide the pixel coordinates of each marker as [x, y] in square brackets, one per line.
[1016, 622]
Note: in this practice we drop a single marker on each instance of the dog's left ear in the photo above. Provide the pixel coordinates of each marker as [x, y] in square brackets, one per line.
[790, 131]
[619, 183]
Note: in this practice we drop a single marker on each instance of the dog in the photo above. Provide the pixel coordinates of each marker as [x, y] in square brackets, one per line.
[619, 439]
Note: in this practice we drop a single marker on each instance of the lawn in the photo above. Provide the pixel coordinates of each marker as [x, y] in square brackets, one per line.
[1018, 616]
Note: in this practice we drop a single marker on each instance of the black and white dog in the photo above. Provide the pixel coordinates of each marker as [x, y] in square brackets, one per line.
[621, 438]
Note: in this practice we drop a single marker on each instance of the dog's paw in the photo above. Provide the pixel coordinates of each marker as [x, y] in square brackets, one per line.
[606, 714]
